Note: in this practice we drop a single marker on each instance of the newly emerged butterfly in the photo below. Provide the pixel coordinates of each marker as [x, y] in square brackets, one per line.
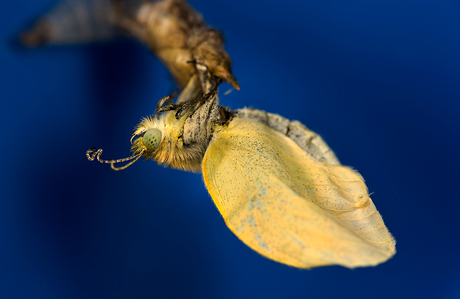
[279, 187]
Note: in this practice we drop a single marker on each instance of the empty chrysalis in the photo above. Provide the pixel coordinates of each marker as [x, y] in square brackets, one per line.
[279, 187]
[172, 29]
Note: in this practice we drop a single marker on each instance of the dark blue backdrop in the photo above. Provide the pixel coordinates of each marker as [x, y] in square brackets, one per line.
[378, 79]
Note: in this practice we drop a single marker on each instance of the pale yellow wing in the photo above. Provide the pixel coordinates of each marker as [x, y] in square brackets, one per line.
[288, 207]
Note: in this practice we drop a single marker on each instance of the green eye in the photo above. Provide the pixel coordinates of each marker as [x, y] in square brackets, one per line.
[152, 139]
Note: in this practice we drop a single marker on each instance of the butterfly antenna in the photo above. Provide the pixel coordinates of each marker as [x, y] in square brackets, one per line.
[93, 154]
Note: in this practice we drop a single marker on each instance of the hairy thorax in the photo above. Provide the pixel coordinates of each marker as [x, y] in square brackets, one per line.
[184, 139]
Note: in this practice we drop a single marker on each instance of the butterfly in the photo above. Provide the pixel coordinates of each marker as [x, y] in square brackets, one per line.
[279, 187]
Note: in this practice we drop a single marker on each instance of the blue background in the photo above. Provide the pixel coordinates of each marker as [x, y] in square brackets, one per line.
[379, 80]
